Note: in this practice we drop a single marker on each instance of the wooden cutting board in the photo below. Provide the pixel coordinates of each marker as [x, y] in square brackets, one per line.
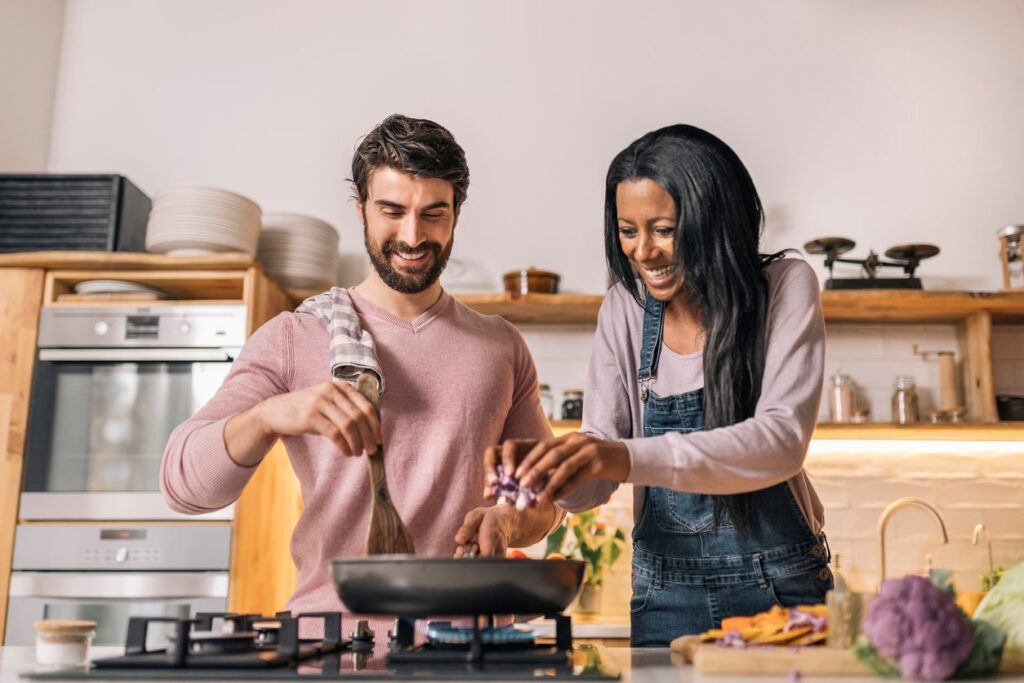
[781, 661]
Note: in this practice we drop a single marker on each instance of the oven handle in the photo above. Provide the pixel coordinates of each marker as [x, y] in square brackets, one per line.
[141, 355]
[133, 585]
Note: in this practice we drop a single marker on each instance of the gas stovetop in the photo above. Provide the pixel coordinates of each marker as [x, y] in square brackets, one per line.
[248, 646]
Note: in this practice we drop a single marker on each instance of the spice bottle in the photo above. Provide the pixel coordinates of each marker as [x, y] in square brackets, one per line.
[572, 404]
[904, 401]
[840, 398]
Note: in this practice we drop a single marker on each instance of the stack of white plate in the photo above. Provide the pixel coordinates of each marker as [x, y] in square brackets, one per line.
[300, 252]
[190, 220]
[100, 287]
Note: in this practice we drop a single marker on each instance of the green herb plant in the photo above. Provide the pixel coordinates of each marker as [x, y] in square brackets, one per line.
[587, 536]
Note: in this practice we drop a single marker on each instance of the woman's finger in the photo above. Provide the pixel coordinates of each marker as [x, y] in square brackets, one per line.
[576, 465]
[490, 469]
[529, 463]
[513, 451]
[548, 462]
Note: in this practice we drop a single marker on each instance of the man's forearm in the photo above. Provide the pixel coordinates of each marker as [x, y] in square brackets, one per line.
[247, 438]
[535, 523]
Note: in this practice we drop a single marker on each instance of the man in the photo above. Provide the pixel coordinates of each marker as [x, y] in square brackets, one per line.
[456, 382]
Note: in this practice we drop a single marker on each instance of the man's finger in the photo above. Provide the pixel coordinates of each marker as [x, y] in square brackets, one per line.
[329, 430]
[366, 409]
[470, 527]
[355, 422]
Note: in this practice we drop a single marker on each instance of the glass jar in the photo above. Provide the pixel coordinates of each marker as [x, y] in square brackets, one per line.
[63, 644]
[1011, 256]
[572, 404]
[841, 399]
[904, 401]
[547, 401]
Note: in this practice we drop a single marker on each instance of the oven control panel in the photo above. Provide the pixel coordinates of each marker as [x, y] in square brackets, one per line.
[143, 326]
[111, 547]
[122, 555]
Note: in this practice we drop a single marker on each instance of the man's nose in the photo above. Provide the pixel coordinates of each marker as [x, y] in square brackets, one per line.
[410, 230]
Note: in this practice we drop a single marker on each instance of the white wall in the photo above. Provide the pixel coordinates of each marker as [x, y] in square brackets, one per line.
[886, 121]
[30, 34]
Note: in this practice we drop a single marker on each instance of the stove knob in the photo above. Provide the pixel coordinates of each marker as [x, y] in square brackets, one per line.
[184, 328]
[121, 556]
[101, 328]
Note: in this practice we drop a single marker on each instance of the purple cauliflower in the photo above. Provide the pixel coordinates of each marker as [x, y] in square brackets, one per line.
[508, 489]
[918, 625]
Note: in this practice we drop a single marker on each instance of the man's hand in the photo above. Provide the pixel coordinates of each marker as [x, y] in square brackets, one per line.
[491, 529]
[333, 409]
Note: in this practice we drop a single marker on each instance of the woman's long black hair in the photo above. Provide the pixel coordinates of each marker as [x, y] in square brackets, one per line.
[718, 229]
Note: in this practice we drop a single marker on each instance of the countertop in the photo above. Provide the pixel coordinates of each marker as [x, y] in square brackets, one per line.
[587, 626]
[637, 666]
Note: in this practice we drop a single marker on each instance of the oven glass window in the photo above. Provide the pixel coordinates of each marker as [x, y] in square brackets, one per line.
[104, 426]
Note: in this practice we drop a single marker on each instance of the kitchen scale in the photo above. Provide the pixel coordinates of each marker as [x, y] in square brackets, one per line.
[904, 256]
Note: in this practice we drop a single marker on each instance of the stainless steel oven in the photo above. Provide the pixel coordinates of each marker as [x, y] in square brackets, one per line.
[107, 573]
[110, 384]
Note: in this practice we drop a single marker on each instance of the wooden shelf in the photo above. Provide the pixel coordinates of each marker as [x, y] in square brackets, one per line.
[1002, 431]
[845, 306]
[920, 306]
[124, 260]
[551, 309]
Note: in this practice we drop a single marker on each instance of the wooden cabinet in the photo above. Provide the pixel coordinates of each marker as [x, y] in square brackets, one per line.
[262, 575]
[21, 290]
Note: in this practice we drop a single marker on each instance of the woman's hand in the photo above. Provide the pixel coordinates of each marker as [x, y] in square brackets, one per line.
[490, 529]
[563, 463]
[509, 454]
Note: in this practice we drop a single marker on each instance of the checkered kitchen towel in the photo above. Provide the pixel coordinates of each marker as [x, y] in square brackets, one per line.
[352, 349]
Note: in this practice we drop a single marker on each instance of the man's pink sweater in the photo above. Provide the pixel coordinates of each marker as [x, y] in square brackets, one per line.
[456, 382]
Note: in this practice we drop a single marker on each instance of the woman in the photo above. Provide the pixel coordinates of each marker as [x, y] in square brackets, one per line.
[702, 392]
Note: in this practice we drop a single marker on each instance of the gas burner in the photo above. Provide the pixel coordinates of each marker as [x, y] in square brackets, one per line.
[253, 647]
[905, 256]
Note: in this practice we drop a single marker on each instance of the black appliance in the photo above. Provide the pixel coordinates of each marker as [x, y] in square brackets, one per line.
[45, 212]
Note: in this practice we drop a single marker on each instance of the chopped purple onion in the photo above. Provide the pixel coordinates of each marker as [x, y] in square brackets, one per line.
[799, 619]
[507, 489]
[732, 639]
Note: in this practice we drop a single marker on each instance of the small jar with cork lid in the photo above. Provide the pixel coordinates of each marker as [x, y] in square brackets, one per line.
[63, 644]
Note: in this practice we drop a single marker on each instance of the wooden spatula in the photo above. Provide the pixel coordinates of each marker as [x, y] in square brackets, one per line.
[387, 534]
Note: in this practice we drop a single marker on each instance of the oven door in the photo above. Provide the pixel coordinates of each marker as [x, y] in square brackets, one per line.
[99, 420]
[110, 599]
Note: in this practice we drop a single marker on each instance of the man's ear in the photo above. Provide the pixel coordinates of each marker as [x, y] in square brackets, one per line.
[359, 213]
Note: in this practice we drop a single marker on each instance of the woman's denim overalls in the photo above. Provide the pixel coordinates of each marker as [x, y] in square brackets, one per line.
[688, 576]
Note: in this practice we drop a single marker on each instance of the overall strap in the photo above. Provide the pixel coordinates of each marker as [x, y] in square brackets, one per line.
[650, 347]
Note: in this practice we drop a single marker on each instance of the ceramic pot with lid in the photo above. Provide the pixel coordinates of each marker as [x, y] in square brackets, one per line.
[531, 281]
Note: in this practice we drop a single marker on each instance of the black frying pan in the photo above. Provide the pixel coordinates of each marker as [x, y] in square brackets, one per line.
[408, 586]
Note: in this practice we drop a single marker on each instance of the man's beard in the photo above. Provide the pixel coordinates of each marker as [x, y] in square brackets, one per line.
[411, 280]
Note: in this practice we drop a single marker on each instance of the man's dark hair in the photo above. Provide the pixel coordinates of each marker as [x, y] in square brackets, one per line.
[419, 147]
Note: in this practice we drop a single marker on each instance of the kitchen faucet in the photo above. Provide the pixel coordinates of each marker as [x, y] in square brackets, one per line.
[897, 505]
